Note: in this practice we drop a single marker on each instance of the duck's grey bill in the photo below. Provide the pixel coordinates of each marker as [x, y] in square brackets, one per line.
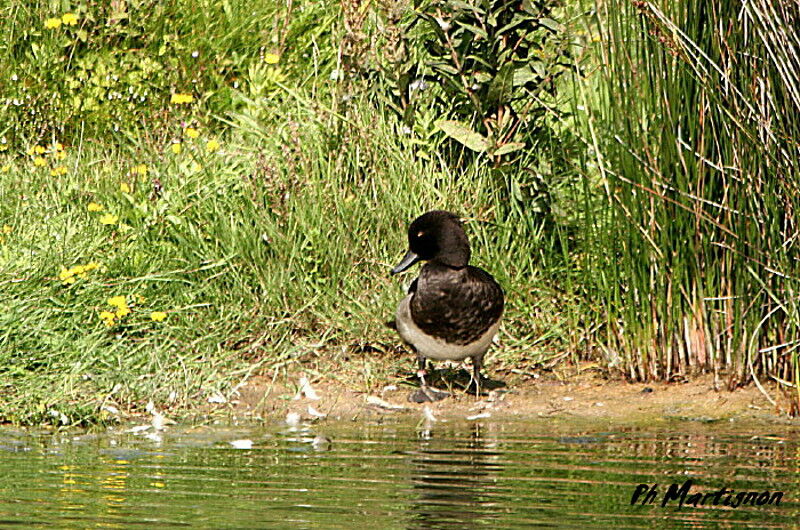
[408, 260]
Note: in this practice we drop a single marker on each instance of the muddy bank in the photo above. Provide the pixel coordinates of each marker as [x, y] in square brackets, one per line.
[584, 396]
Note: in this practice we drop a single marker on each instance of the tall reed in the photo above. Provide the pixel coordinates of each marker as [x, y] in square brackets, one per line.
[699, 136]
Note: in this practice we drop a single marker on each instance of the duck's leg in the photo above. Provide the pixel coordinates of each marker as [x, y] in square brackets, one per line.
[477, 364]
[423, 368]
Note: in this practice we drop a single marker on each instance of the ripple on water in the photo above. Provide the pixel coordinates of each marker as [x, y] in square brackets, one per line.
[455, 475]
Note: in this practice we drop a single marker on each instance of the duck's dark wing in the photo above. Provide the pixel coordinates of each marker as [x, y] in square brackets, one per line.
[457, 306]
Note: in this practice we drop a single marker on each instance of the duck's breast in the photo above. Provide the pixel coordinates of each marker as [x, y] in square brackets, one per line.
[434, 347]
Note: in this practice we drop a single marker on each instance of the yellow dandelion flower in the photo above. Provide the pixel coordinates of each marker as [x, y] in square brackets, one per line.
[158, 316]
[39, 150]
[69, 280]
[176, 147]
[3, 146]
[39, 161]
[107, 317]
[52, 23]
[118, 301]
[92, 265]
[109, 219]
[179, 99]
[64, 273]
[60, 155]
[94, 207]
[271, 58]
[191, 132]
[56, 171]
[124, 188]
[212, 145]
[69, 19]
[58, 146]
[141, 169]
[5, 169]
[7, 229]
[122, 311]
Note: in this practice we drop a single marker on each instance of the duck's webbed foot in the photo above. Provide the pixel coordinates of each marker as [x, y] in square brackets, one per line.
[427, 394]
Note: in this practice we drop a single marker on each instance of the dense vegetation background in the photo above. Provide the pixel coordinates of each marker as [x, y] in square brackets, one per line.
[194, 192]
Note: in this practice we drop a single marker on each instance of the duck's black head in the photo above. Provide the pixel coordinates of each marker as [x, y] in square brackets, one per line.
[438, 237]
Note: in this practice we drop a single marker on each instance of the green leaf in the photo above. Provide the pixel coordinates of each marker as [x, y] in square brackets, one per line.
[502, 86]
[529, 6]
[516, 21]
[516, 190]
[480, 60]
[551, 24]
[475, 30]
[455, 4]
[463, 134]
[508, 148]
[523, 75]
[445, 68]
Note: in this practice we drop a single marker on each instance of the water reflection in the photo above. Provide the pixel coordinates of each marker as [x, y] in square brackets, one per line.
[454, 480]
[449, 474]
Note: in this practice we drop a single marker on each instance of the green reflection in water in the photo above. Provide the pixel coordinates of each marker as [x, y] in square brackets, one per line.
[458, 475]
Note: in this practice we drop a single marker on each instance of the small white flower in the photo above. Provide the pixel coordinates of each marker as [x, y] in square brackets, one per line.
[418, 84]
[60, 416]
[443, 24]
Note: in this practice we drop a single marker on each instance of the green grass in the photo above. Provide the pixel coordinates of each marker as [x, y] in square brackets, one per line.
[265, 252]
[271, 253]
[698, 268]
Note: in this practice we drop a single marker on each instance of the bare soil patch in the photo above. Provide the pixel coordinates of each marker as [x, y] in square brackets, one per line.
[569, 394]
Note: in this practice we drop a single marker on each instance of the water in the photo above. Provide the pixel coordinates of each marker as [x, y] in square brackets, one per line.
[395, 475]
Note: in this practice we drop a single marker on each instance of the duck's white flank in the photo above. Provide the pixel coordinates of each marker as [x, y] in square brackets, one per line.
[437, 349]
